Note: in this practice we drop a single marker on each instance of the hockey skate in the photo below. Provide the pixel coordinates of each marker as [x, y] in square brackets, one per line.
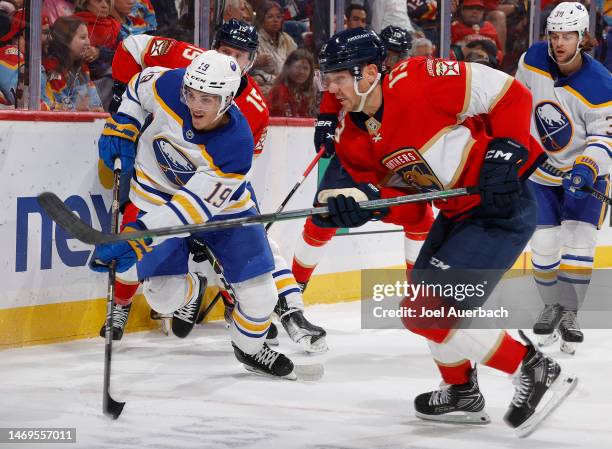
[454, 404]
[548, 320]
[540, 386]
[299, 329]
[267, 362]
[570, 331]
[183, 319]
[120, 317]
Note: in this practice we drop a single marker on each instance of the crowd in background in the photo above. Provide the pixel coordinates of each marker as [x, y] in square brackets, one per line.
[79, 39]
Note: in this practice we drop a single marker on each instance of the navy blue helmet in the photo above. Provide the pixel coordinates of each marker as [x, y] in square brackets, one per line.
[237, 34]
[350, 50]
[396, 39]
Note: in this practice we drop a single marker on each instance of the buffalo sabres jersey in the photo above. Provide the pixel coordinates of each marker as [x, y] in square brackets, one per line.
[140, 51]
[571, 115]
[182, 175]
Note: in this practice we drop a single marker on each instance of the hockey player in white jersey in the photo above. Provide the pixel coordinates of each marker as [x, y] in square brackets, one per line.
[572, 116]
[192, 166]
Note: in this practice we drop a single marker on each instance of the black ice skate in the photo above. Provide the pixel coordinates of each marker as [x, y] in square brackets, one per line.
[540, 388]
[454, 403]
[120, 317]
[185, 317]
[570, 331]
[267, 362]
[299, 329]
[548, 320]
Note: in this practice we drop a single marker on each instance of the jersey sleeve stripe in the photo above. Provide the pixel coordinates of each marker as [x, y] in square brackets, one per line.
[538, 71]
[502, 92]
[468, 91]
[198, 201]
[240, 204]
[599, 145]
[135, 188]
[185, 203]
[177, 212]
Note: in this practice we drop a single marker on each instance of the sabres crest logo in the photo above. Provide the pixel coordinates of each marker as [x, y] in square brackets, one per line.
[554, 126]
[173, 162]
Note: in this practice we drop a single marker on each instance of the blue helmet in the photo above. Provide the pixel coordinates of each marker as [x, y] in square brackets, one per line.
[237, 34]
[350, 50]
[396, 39]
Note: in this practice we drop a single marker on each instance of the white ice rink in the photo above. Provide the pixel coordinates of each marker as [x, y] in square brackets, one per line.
[193, 394]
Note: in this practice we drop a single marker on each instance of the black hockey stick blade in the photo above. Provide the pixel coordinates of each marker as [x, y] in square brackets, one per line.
[112, 408]
[68, 220]
[80, 230]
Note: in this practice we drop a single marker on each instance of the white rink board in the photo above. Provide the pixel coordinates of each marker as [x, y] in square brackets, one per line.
[62, 157]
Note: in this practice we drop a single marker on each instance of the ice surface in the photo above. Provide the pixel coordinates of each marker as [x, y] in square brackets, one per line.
[192, 393]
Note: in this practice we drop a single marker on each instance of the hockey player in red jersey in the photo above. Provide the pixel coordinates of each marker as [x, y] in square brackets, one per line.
[425, 139]
[239, 40]
[415, 219]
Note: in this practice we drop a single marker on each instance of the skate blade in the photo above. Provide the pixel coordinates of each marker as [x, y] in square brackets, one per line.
[560, 389]
[318, 347]
[166, 325]
[547, 340]
[478, 418]
[290, 376]
[306, 373]
[568, 347]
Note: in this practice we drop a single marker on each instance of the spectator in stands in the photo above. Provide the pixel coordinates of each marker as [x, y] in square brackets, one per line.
[165, 13]
[274, 46]
[69, 87]
[248, 15]
[12, 60]
[7, 8]
[424, 14]
[57, 8]
[470, 25]
[293, 93]
[144, 10]
[423, 47]
[121, 10]
[103, 38]
[390, 12]
[355, 16]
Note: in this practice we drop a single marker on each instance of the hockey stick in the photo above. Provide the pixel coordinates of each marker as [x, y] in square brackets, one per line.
[594, 193]
[298, 184]
[219, 272]
[82, 231]
[110, 407]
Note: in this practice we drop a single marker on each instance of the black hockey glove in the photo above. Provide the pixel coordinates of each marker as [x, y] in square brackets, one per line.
[197, 248]
[325, 129]
[344, 211]
[499, 175]
[118, 90]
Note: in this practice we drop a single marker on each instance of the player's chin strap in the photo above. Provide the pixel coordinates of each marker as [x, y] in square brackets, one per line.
[224, 107]
[364, 95]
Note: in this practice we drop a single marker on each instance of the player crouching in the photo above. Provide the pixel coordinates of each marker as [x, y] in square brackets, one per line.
[192, 166]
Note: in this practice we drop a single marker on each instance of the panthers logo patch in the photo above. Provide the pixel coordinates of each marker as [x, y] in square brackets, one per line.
[554, 126]
[173, 162]
[413, 169]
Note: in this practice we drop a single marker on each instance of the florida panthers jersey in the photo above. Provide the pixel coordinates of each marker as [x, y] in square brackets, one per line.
[423, 139]
[181, 175]
[141, 51]
[571, 115]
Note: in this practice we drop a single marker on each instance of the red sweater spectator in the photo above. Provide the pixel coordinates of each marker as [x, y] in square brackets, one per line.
[471, 26]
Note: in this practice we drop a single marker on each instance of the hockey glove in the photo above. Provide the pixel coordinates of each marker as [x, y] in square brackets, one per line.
[118, 90]
[197, 248]
[499, 175]
[325, 129]
[344, 211]
[126, 253]
[583, 174]
[118, 140]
